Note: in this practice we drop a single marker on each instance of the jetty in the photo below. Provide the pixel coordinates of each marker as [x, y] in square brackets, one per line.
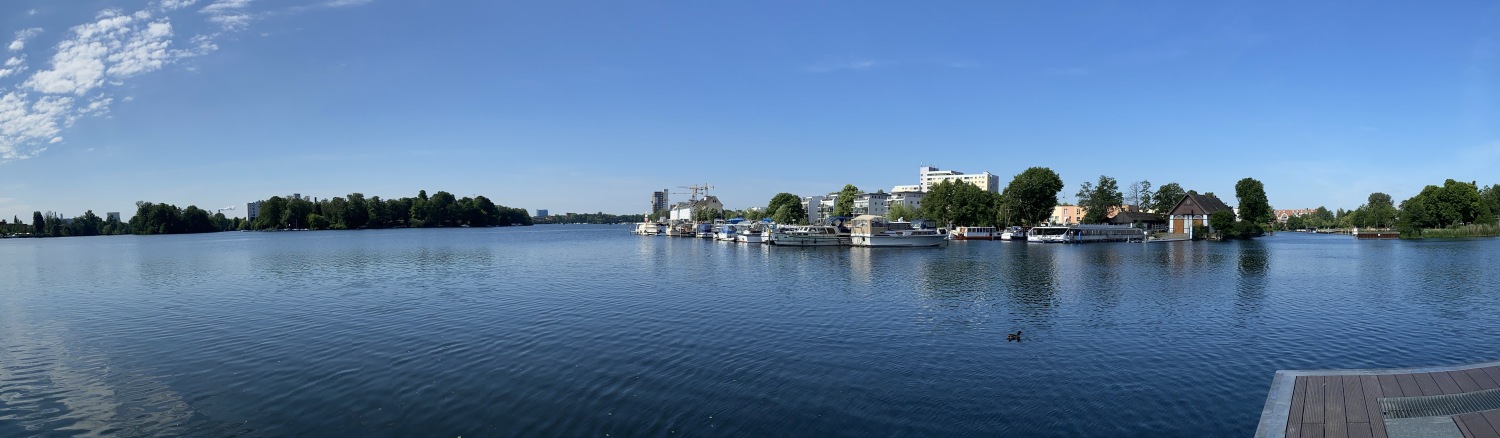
[1457, 401]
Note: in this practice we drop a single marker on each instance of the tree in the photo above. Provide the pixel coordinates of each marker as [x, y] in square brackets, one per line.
[271, 212]
[900, 211]
[38, 224]
[1139, 194]
[1030, 197]
[1254, 207]
[958, 203]
[1455, 203]
[844, 205]
[1098, 200]
[794, 212]
[1166, 197]
[296, 213]
[1491, 197]
[1221, 221]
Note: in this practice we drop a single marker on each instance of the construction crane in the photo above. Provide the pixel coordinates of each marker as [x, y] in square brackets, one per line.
[693, 191]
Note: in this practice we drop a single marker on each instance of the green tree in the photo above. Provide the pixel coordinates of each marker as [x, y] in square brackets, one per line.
[1221, 221]
[1030, 197]
[1166, 197]
[195, 220]
[38, 223]
[900, 211]
[317, 222]
[271, 212]
[1254, 207]
[1098, 199]
[1139, 194]
[1379, 211]
[794, 212]
[844, 205]
[958, 203]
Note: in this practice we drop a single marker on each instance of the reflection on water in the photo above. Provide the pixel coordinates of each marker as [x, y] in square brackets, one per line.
[588, 330]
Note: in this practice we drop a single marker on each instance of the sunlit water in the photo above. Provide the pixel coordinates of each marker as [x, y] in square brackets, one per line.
[588, 330]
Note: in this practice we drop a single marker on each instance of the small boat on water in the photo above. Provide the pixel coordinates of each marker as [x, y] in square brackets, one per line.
[751, 233]
[876, 231]
[1085, 234]
[1014, 233]
[974, 233]
[808, 235]
[680, 230]
[703, 230]
[647, 228]
[728, 230]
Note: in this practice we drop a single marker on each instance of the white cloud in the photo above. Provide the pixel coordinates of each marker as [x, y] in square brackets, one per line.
[21, 37]
[25, 121]
[230, 14]
[175, 4]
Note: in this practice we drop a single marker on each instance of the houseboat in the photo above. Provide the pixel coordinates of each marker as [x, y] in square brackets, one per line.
[808, 235]
[1085, 234]
[974, 233]
[1014, 233]
[875, 231]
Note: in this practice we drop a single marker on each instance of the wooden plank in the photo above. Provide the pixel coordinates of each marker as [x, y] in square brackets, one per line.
[1354, 401]
[1493, 372]
[1445, 383]
[1312, 431]
[1388, 386]
[1312, 412]
[1408, 385]
[1482, 378]
[1465, 383]
[1427, 384]
[1294, 417]
[1493, 417]
[1360, 430]
[1475, 425]
[1371, 385]
[1333, 408]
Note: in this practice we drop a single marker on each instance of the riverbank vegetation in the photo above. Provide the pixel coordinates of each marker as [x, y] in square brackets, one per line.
[1456, 209]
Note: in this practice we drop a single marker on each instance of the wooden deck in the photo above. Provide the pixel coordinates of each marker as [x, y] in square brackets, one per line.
[1346, 403]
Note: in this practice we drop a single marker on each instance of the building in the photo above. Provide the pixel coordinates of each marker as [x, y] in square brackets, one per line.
[910, 188]
[659, 201]
[541, 213]
[1149, 221]
[683, 211]
[1193, 211]
[113, 216]
[811, 205]
[872, 203]
[1066, 215]
[929, 176]
[1283, 215]
[252, 210]
[911, 200]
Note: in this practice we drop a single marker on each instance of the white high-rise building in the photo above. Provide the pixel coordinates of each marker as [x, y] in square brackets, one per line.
[930, 176]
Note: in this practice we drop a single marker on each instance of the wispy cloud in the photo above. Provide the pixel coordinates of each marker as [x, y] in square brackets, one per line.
[833, 64]
[94, 57]
[843, 64]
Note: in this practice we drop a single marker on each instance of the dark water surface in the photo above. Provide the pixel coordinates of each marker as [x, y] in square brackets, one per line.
[588, 330]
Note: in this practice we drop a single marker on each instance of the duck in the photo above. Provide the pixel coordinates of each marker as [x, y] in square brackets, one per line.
[1013, 336]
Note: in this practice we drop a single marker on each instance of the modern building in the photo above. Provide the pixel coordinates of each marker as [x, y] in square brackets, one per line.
[252, 210]
[659, 201]
[909, 188]
[872, 203]
[911, 200]
[812, 204]
[929, 176]
[113, 216]
[1066, 215]
[541, 213]
[1193, 211]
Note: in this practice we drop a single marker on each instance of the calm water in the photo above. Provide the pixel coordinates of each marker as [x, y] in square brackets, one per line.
[588, 330]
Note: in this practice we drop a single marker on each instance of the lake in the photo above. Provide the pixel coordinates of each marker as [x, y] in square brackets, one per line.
[580, 330]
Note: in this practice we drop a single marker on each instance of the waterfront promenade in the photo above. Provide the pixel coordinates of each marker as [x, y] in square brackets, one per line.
[1410, 402]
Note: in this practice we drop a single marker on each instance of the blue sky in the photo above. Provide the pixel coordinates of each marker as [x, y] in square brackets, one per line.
[590, 106]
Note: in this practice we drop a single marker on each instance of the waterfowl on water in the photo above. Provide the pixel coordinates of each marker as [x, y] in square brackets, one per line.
[1013, 336]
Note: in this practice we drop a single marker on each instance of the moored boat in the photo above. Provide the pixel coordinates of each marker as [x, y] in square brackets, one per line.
[875, 231]
[1014, 233]
[1085, 234]
[808, 235]
[973, 233]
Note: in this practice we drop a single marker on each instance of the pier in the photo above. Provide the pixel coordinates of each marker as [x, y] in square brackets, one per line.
[1459, 401]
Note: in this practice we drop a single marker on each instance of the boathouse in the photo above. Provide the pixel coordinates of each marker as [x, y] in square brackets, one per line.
[1193, 210]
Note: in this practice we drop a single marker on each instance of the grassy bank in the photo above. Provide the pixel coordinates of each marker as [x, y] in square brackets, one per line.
[1477, 230]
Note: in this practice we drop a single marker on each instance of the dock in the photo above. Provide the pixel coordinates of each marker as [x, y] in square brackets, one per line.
[1457, 401]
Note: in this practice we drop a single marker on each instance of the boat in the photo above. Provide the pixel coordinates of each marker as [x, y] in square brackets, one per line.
[703, 230]
[728, 230]
[647, 228]
[808, 235]
[974, 233]
[1085, 234]
[1013, 233]
[876, 231]
[680, 230]
[750, 233]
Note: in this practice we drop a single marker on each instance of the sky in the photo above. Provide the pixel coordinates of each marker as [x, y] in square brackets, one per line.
[590, 106]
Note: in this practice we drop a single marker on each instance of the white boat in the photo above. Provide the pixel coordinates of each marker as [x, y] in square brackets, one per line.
[647, 228]
[704, 230]
[974, 233]
[680, 230]
[1014, 233]
[1085, 234]
[728, 230]
[808, 235]
[876, 231]
[750, 233]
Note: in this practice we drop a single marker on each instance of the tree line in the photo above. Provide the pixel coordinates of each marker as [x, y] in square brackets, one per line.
[354, 211]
